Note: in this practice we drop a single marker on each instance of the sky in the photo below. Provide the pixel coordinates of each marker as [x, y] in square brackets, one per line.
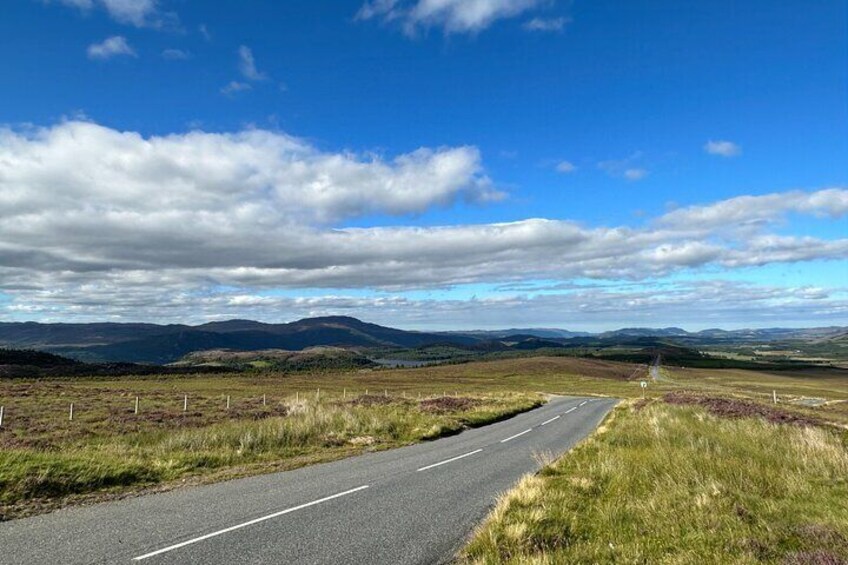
[429, 164]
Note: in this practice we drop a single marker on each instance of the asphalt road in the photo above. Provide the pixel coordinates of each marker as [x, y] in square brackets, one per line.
[415, 504]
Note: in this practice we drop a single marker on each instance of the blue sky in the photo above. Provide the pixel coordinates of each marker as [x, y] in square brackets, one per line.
[275, 160]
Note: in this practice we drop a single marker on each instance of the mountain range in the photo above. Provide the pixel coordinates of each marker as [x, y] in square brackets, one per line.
[160, 344]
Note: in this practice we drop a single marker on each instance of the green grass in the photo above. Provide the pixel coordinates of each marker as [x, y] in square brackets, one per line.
[673, 484]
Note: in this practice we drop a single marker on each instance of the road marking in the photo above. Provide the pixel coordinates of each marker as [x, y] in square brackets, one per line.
[517, 435]
[582, 403]
[452, 459]
[245, 524]
[570, 410]
[551, 420]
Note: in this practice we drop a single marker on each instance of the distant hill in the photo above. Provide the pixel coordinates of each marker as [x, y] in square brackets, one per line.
[148, 343]
[28, 363]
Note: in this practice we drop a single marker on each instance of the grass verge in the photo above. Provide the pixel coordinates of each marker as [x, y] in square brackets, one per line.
[662, 483]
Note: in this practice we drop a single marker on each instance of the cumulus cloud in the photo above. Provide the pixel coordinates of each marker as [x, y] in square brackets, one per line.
[453, 16]
[722, 148]
[138, 13]
[546, 24]
[265, 175]
[115, 46]
[93, 216]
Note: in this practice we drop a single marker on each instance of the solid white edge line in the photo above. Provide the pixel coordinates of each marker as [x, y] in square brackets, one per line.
[245, 524]
[449, 460]
[570, 410]
[527, 431]
[551, 420]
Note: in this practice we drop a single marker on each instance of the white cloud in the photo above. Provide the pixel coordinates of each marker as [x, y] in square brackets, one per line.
[176, 54]
[546, 24]
[453, 16]
[247, 65]
[114, 46]
[138, 13]
[722, 148]
[135, 12]
[234, 87]
[566, 167]
[98, 220]
[635, 174]
[259, 173]
[755, 211]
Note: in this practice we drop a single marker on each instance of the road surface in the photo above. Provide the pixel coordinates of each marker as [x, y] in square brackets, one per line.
[416, 504]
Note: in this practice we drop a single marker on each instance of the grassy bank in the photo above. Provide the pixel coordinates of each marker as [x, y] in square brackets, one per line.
[676, 484]
[101, 460]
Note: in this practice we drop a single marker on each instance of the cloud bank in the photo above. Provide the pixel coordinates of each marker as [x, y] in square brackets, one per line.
[99, 220]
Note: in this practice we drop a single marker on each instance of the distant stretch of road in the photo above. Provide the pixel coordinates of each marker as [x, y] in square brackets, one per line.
[415, 504]
[656, 374]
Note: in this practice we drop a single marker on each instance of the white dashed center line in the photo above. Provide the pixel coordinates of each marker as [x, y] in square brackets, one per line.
[449, 460]
[551, 420]
[245, 524]
[527, 431]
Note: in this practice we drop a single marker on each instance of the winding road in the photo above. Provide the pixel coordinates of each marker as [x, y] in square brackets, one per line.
[416, 504]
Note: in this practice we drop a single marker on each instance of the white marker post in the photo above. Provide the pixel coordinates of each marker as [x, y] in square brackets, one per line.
[644, 385]
[228, 402]
[774, 396]
[344, 394]
[1, 416]
[317, 395]
[263, 401]
[136, 405]
[71, 413]
[185, 403]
